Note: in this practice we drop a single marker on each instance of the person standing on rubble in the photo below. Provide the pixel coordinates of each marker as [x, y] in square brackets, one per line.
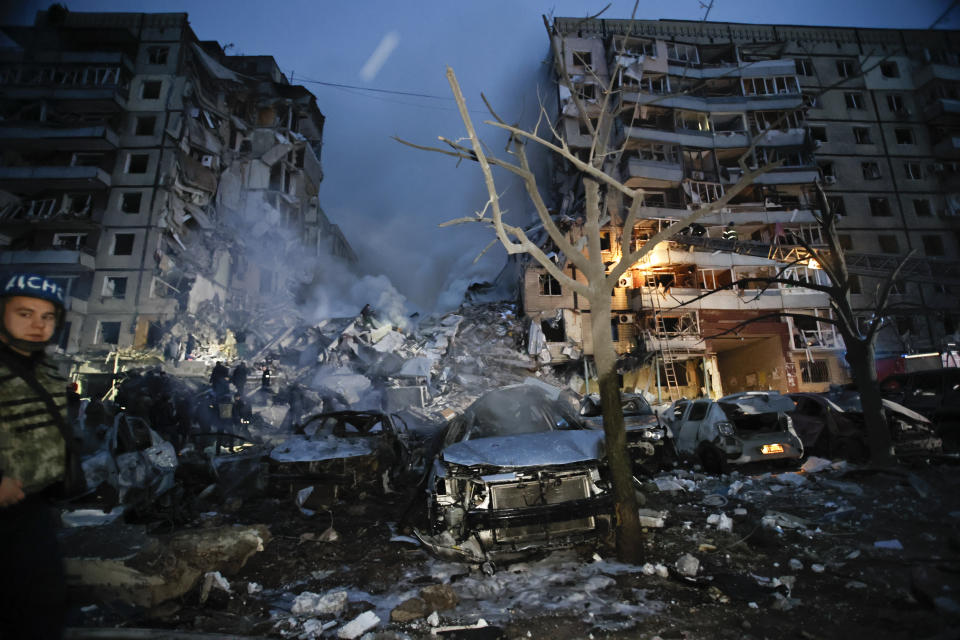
[239, 377]
[219, 379]
[39, 460]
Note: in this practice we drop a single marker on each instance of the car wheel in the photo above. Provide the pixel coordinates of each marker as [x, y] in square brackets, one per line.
[714, 461]
[850, 449]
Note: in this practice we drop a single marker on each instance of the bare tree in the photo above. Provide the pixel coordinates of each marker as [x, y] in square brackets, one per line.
[605, 198]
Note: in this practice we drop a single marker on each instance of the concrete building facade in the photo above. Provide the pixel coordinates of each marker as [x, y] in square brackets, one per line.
[145, 169]
[871, 115]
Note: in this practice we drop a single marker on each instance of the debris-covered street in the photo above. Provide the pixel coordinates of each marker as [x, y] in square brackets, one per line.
[814, 551]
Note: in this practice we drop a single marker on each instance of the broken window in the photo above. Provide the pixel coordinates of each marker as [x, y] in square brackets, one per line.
[888, 243]
[846, 241]
[913, 170]
[108, 333]
[692, 121]
[895, 103]
[814, 371]
[657, 152]
[137, 163]
[870, 170]
[879, 207]
[157, 54]
[818, 134]
[933, 245]
[130, 202]
[837, 205]
[638, 47]
[553, 329]
[70, 240]
[679, 370]
[889, 69]
[855, 285]
[826, 169]
[711, 279]
[774, 85]
[769, 120]
[123, 244]
[853, 100]
[585, 127]
[677, 52]
[150, 90]
[921, 207]
[672, 325]
[604, 241]
[862, 135]
[114, 287]
[804, 66]
[586, 91]
[583, 59]
[77, 204]
[144, 125]
[549, 286]
[903, 136]
[846, 68]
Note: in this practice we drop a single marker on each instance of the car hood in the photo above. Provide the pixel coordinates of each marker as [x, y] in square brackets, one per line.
[305, 449]
[904, 412]
[528, 450]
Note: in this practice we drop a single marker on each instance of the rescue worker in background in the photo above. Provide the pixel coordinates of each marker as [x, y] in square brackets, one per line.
[239, 377]
[219, 379]
[729, 232]
[39, 460]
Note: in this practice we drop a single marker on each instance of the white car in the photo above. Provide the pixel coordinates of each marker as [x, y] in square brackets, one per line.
[736, 429]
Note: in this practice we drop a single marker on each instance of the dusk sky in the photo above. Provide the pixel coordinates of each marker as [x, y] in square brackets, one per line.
[387, 198]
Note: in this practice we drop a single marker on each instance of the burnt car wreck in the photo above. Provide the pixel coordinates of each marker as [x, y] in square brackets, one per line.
[516, 473]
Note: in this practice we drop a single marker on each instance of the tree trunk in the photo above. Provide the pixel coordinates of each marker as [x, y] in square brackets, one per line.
[863, 365]
[626, 518]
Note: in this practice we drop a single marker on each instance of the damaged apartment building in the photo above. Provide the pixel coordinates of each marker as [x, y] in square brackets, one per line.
[151, 174]
[872, 115]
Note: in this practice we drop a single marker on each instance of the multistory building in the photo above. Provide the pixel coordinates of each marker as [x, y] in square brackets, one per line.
[152, 174]
[871, 116]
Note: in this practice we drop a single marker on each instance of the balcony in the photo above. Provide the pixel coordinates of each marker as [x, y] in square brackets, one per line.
[97, 138]
[942, 111]
[783, 175]
[729, 300]
[817, 340]
[783, 138]
[760, 68]
[716, 104]
[52, 260]
[691, 138]
[648, 173]
[33, 179]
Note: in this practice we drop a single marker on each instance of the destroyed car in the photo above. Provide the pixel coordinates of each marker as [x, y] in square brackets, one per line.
[832, 425]
[648, 441]
[517, 472]
[933, 392]
[340, 450]
[736, 429]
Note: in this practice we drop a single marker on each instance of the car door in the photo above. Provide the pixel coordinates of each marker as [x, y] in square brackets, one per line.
[690, 427]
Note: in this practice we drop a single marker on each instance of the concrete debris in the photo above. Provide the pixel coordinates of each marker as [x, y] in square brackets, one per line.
[439, 597]
[312, 604]
[653, 519]
[410, 609]
[213, 580]
[687, 565]
[358, 626]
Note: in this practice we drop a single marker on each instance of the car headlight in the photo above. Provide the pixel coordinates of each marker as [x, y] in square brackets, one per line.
[653, 434]
[725, 428]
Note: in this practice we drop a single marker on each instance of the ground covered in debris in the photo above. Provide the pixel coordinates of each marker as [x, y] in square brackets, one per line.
[832, 550]
[841, 551]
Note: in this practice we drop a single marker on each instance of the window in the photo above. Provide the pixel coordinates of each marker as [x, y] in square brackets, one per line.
[70, 240]
[888, 243]
[889, 69]
[913, 170]
[549, 286]
[137, 163]
[853, 100]
[933, 245]
[921, 207]
[846, 241]
[871, 170]
[826, 169]
[150, 90]
[586, 91]
[114, 287]
[130, 202]
[553, 330]
[585, 128]
[879, 207]
[123, 244]
[862, 135]
[108, 333]
[657, 152]
[903, 136]
[837, 205]
[583, 58]
[615, 330]
[157, 55]
[77, 204]
[895, 103]
[773, 85]
[814, 371]
[804, 66]
[682, 52]
[818, 134]
[846, 68]
[605, 241]
[144, 125]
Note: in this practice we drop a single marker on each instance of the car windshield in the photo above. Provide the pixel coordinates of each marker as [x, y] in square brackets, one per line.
[515, 410]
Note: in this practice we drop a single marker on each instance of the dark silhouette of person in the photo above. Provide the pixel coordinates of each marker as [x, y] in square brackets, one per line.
[239, 377]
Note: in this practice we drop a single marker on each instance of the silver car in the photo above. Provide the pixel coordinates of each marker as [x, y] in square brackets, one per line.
[736, 429]
[516, 472]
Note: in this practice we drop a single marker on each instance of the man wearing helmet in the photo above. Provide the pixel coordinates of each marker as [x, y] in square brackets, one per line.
[35, 452]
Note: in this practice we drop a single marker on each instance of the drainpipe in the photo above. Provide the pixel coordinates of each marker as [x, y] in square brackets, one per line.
[656, 367]
[586, 377]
